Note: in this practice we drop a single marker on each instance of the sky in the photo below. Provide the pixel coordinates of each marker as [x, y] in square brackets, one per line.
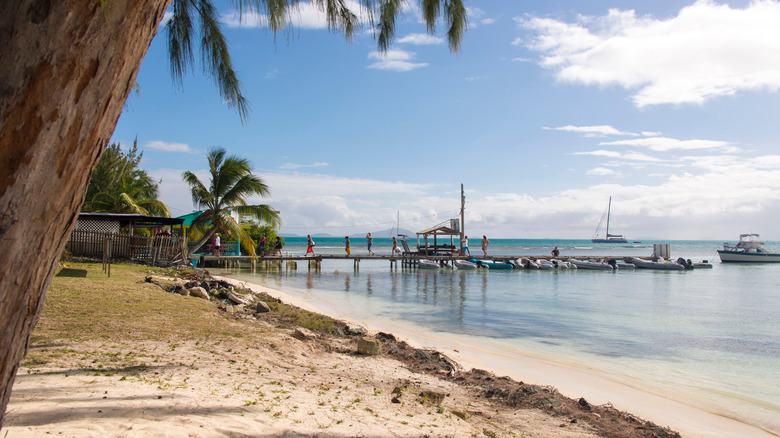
[549, 109]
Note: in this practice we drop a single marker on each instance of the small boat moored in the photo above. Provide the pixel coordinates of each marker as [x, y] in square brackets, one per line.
[587, 264]
[464, 264]
[427, 264]
[661, 264]
[750, 248]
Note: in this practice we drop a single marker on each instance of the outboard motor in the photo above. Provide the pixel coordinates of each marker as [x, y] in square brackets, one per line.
[686, 263]
[613, 263]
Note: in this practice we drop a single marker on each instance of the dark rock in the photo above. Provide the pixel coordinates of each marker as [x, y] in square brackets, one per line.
[356, 331]
[423, 355]
[262, 307]
[584, 404]
[385, 337]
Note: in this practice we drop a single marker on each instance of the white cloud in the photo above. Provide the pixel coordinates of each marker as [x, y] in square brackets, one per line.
[661, 144]
[591, 131]
[706, 51]
[601, 171]
[517, 42]
[631, 156]
[419, 39]
[271, 74]
[170, 147]
[290, 166]
[395, 60]
[303, 16]
[478, 17]
[166, 18]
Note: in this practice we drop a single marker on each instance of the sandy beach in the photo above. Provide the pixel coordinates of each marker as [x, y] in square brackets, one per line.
[273, 379]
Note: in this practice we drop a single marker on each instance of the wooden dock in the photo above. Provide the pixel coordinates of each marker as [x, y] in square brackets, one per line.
[407, 261]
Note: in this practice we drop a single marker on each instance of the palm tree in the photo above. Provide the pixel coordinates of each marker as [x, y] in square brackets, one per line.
[231, 182]
[117, 185]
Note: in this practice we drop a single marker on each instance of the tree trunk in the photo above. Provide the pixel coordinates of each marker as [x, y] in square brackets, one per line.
[66, 68]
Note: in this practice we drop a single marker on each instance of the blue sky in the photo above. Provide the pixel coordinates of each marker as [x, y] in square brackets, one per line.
[550, 108]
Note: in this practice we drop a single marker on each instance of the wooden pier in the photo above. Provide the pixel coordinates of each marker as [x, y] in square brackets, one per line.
[407, 261]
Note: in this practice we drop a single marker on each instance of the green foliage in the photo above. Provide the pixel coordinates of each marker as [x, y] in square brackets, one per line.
[117, 185]
[256, 231]
[231, 183]
[189, 15]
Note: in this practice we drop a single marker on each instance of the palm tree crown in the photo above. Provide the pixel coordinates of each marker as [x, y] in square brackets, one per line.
[117, 185]
[231, 183]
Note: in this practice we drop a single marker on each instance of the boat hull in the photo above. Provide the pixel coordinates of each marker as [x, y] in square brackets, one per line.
[748, 257]
[609, 240]
[598, 266]
[663, 266]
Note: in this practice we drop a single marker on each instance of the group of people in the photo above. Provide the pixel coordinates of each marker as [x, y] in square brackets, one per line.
[347, 245]
[465, 244]
[396, 249]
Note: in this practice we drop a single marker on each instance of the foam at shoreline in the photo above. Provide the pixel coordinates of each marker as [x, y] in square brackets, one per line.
[573, 382]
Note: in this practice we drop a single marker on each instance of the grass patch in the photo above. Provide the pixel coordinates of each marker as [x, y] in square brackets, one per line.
[125, 308]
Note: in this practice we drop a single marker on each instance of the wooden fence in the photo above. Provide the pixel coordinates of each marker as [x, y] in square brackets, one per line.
[162, 248]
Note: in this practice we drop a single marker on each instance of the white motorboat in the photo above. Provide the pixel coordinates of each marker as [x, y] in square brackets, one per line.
[750, 248]
[427, 264]
[661, 264]
[625, 265]
[587, 264]
[464, 264]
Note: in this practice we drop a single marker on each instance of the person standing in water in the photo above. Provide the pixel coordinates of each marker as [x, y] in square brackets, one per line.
[485, 243]
[555, 252]
[370, 243]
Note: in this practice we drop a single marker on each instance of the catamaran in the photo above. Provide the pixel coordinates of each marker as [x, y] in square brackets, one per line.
[608, 238]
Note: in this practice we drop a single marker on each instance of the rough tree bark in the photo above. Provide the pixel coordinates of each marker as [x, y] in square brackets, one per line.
[66, 68]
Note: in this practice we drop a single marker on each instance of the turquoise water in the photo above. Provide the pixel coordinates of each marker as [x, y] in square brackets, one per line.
[711, 337]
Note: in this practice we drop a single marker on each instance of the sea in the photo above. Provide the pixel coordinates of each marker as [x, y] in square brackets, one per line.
[708, 338]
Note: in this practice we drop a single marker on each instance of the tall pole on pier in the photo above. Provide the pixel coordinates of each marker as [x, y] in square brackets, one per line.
[462, 220]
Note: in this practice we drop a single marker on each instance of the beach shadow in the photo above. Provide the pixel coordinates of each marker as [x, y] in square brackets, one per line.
[70, 272]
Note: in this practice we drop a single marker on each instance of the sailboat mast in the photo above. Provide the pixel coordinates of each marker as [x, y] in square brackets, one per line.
[609, 210]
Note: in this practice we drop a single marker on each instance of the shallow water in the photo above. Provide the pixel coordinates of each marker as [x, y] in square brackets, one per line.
[707, 337]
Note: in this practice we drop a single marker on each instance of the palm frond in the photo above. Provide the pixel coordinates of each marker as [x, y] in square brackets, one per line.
[180, 33]
[263, 212]
[388, 11]
[217, 61]
[457, 19]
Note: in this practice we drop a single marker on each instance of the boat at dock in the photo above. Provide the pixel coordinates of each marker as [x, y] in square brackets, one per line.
[750, 249]
[427, 264]
[464, 264]
[608, 238]
[595, 265]
[661, 264]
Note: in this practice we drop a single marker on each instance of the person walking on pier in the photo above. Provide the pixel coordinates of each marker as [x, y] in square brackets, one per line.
[261, 245]
[370, 242]
[346, 247]
[217, 244]
[279, 246]
[465, 243]
[395, 247]
[309, 245]
[485, 243]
